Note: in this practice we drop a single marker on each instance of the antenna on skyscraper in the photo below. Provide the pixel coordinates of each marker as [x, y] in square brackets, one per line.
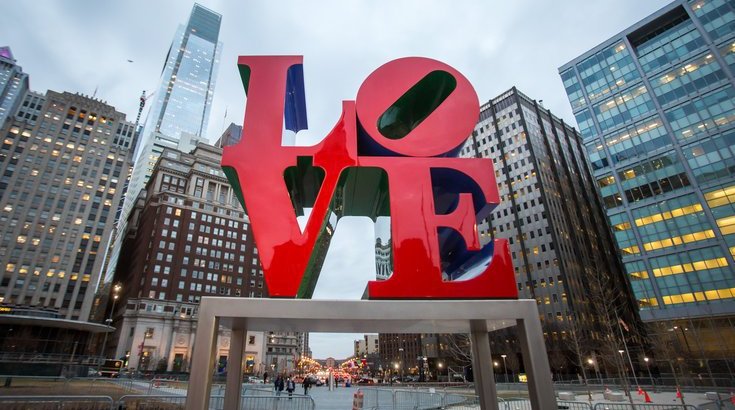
[224, 120]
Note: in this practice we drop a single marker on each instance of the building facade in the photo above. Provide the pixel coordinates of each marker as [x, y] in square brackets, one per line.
[655, 106]
[563, 252]
[188, 238]
[369, 344]
[64, 158]
[158, 335]
[283, 351]
[400, 352]
[181, 105]
[13, 84]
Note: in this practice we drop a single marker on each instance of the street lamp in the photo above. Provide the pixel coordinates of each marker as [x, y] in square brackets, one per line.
[592, 363]
[115, 295]
[622, 361]
[505, 368]
[653, 383]
[439, 371]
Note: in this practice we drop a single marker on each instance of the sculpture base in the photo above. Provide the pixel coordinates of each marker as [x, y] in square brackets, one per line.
[476, 317]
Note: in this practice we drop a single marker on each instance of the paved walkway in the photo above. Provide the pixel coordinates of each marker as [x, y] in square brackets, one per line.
[338, 399]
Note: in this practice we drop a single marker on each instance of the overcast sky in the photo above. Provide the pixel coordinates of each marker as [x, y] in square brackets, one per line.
[80, 46]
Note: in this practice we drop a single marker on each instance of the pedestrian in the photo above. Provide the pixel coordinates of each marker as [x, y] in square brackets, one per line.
[278, 385]
[265, 378]
[290, 387]
[306, 384]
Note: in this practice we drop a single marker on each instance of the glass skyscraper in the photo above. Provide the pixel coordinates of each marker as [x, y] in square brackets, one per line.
[13, 84]
[179, 115]
[655, 105]
[184, 96]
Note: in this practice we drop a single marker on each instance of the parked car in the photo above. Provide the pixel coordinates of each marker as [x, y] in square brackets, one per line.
[253, 379]
[319, 382]
[366, 381]
[111, 368]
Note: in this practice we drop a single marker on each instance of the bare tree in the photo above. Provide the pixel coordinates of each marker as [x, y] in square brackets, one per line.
[577, 339]
[606, 300]
[557, 360]
[458, 348]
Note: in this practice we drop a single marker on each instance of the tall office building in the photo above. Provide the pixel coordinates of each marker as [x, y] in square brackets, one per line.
[231, 136]
[63, 160]
[188, 238]
[30, 109]
[13, 84]
[184, 97]
[561, 247]
[655, 106]
[181, 107]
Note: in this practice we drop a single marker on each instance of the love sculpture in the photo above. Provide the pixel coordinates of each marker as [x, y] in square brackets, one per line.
[392, 153]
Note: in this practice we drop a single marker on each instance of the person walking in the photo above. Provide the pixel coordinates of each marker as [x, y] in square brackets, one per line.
[290, 387]
[306, 384]
[278, 385]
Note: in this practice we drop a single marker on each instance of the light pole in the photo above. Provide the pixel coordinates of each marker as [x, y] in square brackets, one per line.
[505, 368]
[648, 367]
[496, 365]
[592, 363]
[115, 295]
[624, 373]
[439, 371]
[400, 352]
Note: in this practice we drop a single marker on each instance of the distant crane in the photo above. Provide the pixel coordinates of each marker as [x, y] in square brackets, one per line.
[143, 99]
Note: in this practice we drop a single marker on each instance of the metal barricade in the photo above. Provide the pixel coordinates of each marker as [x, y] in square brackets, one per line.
[249, 402]
[151, 402]
[457, 401]
[516, 403]
[416, 399]
[167, 386]
[520, 403]
[257, 390]
[56, 402]
[573, 405]
[377, 398]
[90, 385]
[719, 404]
[628, 406]
[282, 402]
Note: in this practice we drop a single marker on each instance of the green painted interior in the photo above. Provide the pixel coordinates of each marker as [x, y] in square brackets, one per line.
[416, 104]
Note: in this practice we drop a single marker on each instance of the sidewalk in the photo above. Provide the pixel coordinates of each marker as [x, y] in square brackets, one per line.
[337, 399]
